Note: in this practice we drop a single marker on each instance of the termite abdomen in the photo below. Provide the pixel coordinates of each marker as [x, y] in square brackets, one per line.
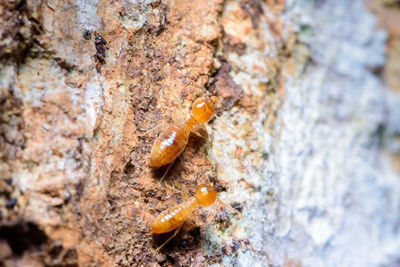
[169, 144]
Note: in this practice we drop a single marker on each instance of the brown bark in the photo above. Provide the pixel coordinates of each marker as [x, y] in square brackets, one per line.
[77, 153]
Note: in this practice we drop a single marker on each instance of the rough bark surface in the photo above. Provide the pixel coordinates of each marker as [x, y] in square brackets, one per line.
[306, 142]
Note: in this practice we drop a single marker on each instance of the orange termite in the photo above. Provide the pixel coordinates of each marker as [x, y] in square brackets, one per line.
[173, 218]
[173, 140]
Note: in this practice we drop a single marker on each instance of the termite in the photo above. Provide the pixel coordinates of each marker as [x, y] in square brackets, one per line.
[173, 140]
[174, 217]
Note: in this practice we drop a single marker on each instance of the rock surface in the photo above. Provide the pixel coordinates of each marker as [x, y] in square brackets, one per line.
[303, 143]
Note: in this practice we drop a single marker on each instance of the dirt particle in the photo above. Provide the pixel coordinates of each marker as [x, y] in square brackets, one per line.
[232, 44]
[101, 46]
[163, 21]
[87, 35]
[11, 203]
[224, 86]
[237, 206]
[253, 9]
[22, 236]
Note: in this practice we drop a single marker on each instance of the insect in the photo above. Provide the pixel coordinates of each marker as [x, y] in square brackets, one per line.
[174, 217]
[173, 140]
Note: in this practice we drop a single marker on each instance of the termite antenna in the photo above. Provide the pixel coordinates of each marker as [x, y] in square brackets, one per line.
[238, 213]
[232, 128]
[228, 126]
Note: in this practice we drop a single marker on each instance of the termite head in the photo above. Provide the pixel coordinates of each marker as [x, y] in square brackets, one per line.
[203, 108]
[206, 195]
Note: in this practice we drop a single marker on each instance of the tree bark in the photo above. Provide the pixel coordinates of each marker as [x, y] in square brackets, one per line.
[304, 143]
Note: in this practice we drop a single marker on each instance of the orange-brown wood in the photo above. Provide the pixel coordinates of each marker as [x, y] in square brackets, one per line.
[174, 139]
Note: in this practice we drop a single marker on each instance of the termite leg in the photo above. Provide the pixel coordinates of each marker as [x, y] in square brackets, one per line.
[166, 171]
[239, 214]
[197, 134]
[152, 129]
[169, 238]
[184, 192]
